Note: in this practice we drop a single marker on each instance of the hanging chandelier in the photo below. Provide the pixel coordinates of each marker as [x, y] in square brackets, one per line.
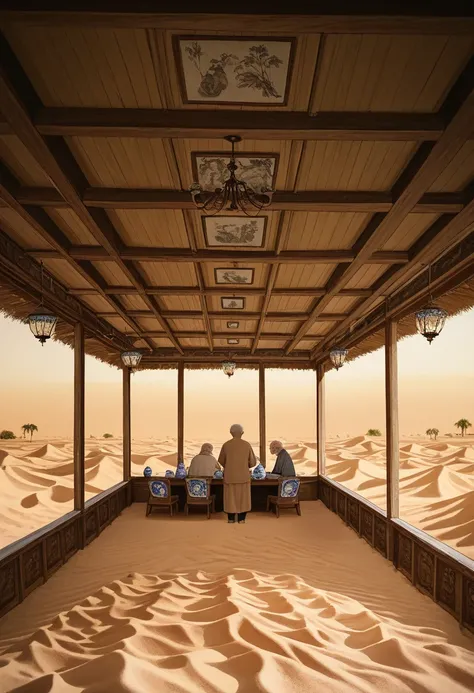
[430, 320]
[42, 322]
[235, 195]
[131, 359]
[229, 368]
[338, 356]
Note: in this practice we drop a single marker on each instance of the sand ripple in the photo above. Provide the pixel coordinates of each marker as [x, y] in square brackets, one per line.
[244, 631]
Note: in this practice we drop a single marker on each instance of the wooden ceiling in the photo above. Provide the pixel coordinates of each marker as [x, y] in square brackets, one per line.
[368, 132]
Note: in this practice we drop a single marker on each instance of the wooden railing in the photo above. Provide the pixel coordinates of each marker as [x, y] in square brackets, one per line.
[437, 570]
[29, 562]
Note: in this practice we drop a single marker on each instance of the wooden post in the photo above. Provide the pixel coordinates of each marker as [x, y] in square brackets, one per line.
[321, 420]
[127, 425]
[261, 411]
[392, 437]
[79, 424]
[180, 411]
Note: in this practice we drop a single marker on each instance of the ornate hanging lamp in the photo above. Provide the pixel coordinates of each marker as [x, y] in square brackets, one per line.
[338, 356]
[430, 320]
[229, 368]
[235, 195]
[42, 322]
[131, 358]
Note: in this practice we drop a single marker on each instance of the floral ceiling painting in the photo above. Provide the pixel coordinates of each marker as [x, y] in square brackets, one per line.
[234, 70]
[234, 231]
[233, 276]
[258, 171]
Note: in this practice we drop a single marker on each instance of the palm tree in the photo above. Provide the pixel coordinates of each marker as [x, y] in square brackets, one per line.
[435, 432]
[32, 429]
[463, 424]
[26, 429]
[429, 432]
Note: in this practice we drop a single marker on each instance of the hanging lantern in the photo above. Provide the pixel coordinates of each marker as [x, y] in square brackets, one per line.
[430, 321]
[229, 368]
[42, 323]
[131, 358]
[338, 356]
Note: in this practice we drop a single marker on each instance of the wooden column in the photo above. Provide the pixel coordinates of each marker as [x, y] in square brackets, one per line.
[261, 411]
[79, 426]
[392, 438]
[320, 420]
[127, 425]
[180, 411]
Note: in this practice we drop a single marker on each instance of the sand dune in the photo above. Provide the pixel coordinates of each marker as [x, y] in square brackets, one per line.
[36, 478]
[243, 631]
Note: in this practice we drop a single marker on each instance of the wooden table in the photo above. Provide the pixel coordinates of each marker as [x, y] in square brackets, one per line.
[259, 490]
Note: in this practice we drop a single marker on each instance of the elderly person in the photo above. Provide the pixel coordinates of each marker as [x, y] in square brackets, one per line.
[283, 464]
[204, 464]
[237, 457]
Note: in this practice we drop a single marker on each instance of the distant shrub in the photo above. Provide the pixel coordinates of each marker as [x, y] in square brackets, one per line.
[7, 435]
[108, 435]
[373, 432]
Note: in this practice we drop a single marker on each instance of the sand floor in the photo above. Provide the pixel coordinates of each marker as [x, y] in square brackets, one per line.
[189, 604]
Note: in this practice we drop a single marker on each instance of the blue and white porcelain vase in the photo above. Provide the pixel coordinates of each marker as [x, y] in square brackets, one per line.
[259, 472]
[169, 472]
[218, 474]
[180, 470]
[147, 471]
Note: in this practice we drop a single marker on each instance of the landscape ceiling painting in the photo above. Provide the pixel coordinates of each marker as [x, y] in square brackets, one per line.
[234, 303]
[257, 170]
[234, 70]
[234, 231]
[233, 276]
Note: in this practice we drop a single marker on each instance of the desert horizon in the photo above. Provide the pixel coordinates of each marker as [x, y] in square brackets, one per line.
[436, 477]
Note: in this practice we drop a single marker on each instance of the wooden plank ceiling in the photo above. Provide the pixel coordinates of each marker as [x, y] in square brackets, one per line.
[367, 137]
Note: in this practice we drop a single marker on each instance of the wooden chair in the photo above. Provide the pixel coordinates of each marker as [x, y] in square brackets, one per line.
[288, 495]
[198, 492]
[160, 496]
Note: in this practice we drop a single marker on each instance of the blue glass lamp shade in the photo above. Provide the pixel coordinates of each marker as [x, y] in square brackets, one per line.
[430, 321]
[42, 324]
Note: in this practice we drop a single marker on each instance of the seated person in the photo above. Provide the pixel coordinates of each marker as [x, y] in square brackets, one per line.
[204, 464]
[283, 464]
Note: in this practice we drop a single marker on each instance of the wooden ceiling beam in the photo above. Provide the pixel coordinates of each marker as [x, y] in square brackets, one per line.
[419, 175]
[17, 98]
[235, 315]
[98, 253]
[231, 334]
[306, 201]
[216, 291]
[342, 18]
[254, 125]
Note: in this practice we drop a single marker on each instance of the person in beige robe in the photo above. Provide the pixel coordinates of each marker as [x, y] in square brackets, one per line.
[237, 457]
[204, 464]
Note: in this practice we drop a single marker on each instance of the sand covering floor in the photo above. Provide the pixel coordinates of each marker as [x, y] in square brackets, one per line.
[187, 605]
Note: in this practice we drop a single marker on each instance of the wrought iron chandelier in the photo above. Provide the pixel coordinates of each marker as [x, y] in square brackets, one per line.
[430, 320]
[338, 356]
[131, 359]
[235, 196]
[229, 368]
[42, 322]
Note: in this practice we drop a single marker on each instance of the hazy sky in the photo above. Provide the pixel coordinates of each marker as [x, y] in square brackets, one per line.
[436, 387]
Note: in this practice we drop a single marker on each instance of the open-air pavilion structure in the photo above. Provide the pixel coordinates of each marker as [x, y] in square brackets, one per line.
[362, 124]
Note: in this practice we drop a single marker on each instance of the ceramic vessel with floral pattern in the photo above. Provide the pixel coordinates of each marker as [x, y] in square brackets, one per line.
[259, 472]
[180, 470]
[147, 471]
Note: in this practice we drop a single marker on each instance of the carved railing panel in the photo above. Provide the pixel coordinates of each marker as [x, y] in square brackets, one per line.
[354, 514]
[341, 505]
[54, 553]
[91, 529]
[32, 567]
[405, 555]
[380, 539]
[425, 569]
[367, 525]
[468, 605]
[103, 513]
[446, 585]
[9, 586]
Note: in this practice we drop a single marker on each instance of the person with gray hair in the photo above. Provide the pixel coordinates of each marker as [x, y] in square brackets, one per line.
[283, 464]
[237, 457]
[204, 464]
